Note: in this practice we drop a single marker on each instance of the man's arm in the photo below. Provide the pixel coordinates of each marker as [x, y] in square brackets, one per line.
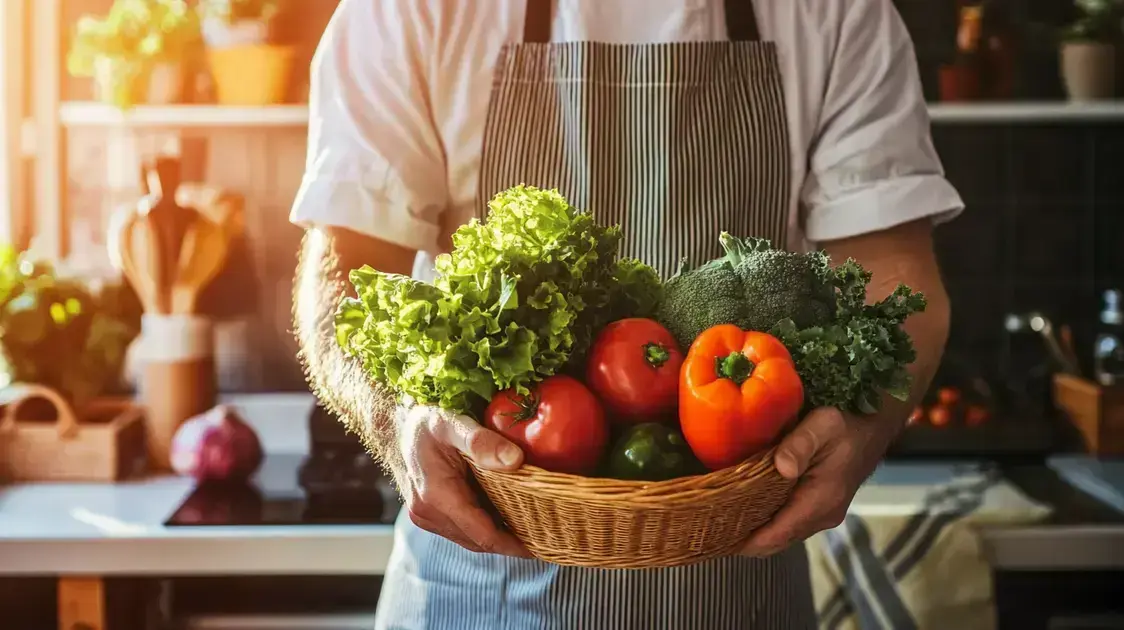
[832, 455]
[904, 255]
[326, 258]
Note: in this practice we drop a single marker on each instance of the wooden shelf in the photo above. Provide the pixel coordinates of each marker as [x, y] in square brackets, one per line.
[82, 114]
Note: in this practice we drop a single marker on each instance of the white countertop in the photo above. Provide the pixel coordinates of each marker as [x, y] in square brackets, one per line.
[117, 529]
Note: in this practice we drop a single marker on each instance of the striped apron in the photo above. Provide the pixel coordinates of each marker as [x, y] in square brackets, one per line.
[674, 142]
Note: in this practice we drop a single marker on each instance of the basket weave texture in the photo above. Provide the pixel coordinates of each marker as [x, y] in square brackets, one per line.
[608, 523]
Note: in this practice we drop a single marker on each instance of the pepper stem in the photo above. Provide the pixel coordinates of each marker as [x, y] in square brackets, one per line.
[734, 366]
[655, 354]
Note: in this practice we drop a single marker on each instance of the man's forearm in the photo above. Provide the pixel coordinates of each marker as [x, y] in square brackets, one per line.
[338, 380]
[904, 255]
[929, 331]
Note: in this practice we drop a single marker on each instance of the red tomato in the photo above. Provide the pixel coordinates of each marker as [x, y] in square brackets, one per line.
[948, 396]
[634, 369]
[940, 416]
[976, 415]
[560, 426]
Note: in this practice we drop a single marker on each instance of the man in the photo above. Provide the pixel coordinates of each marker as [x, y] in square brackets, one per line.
[801, 121]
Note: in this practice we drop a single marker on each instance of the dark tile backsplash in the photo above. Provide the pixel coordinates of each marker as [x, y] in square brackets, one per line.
[1043, 227]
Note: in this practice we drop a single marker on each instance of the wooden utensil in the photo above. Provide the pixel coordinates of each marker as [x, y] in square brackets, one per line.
[1065, 337]
[140, 261]
[169, 222]
[202, 257]
[216, 204]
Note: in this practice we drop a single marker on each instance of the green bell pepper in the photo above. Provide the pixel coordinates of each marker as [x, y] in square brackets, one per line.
[652, 452]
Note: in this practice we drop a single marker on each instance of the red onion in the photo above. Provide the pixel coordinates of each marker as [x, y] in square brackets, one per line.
[216, 446]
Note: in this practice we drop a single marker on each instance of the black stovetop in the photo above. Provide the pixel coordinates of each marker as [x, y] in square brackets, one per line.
[296, 490]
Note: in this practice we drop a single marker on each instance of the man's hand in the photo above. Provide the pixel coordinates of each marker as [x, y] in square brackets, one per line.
[830, 456]
[433, 482]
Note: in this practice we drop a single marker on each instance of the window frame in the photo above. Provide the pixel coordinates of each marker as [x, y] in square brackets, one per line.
[14, 199]
[46, 227]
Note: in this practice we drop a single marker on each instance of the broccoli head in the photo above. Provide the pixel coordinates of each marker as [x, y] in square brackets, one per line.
[782, 285]
[696, 299]
[753, 286]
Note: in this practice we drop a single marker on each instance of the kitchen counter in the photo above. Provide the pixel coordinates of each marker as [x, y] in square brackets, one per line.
[118, 529]
[1081, 533]
[101, 529]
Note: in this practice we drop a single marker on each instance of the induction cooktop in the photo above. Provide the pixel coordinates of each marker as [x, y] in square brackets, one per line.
[295, 490]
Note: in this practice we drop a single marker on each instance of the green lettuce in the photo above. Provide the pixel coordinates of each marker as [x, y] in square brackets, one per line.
[519, 298]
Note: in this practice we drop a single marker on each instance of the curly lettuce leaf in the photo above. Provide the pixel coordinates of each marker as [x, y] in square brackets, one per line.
[863, 353]
[519, 297]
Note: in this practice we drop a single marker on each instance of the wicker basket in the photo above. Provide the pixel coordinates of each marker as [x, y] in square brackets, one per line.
[608, 523]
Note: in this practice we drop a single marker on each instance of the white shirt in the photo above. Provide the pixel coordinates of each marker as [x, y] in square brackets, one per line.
[400, 91]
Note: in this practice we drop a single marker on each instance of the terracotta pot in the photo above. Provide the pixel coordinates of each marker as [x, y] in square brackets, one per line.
[125, 83]
[1089, 70]
[165, 84]
[251, 75]
[959, 83]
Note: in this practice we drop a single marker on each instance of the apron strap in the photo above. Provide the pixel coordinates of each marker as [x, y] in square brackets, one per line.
[536, 22]
[741, 21]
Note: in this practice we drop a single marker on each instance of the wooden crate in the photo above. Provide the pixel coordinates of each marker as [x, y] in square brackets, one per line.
[43, 439]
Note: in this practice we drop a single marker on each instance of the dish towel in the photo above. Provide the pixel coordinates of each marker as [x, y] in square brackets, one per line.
[909, 556]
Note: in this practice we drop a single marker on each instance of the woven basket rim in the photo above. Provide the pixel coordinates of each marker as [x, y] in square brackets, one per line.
[668, 494]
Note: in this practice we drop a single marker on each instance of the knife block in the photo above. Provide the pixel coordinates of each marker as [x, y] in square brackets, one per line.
[1096, 411]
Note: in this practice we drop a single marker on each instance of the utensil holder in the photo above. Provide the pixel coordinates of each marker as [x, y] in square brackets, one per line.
[1096, 411]
[177, 378]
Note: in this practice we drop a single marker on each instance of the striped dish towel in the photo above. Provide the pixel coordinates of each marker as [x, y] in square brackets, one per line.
[908, 556]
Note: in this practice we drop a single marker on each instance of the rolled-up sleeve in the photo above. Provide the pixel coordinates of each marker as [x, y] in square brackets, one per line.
[375, 162]
[872, 165]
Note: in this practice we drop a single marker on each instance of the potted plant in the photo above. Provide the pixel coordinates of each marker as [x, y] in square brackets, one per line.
[62, 332]
[1088, 50]
[246, 67]
[136, 52]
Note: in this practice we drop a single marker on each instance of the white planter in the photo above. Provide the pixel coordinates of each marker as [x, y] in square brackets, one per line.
[129, 83]
[235, 367]
[1089, 70]
[220, 34]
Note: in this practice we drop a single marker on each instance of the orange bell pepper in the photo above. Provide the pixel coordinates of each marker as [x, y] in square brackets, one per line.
[737, 391]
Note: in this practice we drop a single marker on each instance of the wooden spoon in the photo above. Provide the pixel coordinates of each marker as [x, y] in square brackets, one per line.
[204, 252]
[140, 261]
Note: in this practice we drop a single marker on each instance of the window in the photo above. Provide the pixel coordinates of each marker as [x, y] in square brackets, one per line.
[14, 202]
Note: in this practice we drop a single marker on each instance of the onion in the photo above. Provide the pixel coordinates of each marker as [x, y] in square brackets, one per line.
[216, 446]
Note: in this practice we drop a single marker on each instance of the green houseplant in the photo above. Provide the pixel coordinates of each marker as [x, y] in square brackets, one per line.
[1088, 50]
[62, 332]
[136, 52]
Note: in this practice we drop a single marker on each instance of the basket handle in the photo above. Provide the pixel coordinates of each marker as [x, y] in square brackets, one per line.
[66, 423]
